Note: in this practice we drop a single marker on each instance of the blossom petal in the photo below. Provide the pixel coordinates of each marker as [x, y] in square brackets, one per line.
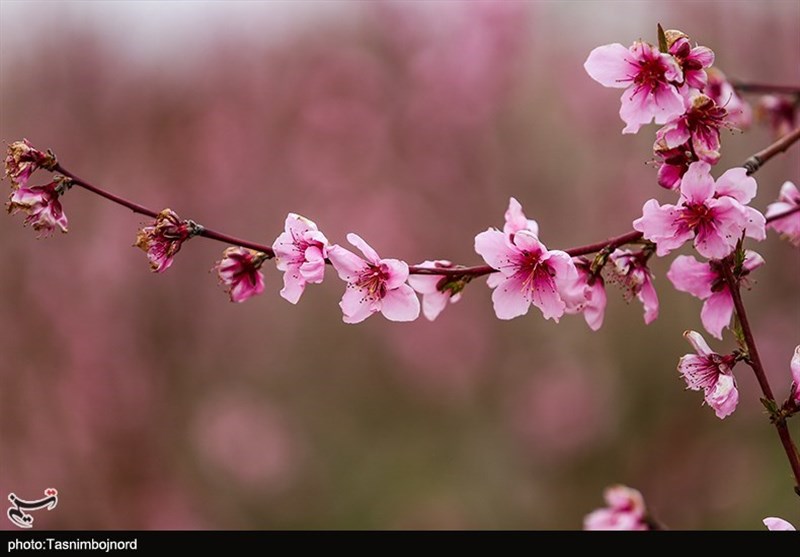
[509, 299]
[737, 184]
[396, 271]
[795, 366]
[687, 274]
[717, 312]
[400, 304]
[493, 246]
[434, 303]
[516, 219]
[647, 295]
[312, 270]
[293, 286]
[347, 264]
[724, 397]
[697, 185]
[356, 305]
[659, 224]
[595, 309]
[611, 65]
[698, 343]
[778, 524]
[370, 254]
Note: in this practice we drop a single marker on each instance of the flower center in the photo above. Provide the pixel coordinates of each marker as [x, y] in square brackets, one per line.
[373, 281]
[695, 215]
[651, 74]
[534, 270]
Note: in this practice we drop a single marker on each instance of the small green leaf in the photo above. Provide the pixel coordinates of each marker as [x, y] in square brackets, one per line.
[662, 40]
[771, 407]
[738, 332]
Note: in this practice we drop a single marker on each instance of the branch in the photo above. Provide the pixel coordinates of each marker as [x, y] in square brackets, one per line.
[142, 210]
[759, 159]
[765, 88]
[754, 360]
[752, 165]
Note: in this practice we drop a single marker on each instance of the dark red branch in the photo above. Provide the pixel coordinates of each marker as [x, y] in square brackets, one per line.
[786, 213]
[765, 88]
[142, 210]
[752, 164]
[754, 360]
[757, 161]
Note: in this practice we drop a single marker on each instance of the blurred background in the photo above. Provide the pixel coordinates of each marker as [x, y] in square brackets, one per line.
[152, 402]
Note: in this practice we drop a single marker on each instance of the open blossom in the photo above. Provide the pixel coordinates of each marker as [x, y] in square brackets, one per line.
[789, 226]
[42, 206]
[705, 280]
[625, 510]
[239, 272]
[795, 366]
[723, 94]
[529, 273]
[164, 238]
[778, 524]
[630, 270]
[700, 124]
[23, 159]
[710, 372]
[646, 75]
[714, 214]
[300, 252]
[436, 290]
[373, 284]
[587, 295]
[693, 60]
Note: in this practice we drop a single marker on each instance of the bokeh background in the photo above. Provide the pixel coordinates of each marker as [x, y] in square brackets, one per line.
[152, 402]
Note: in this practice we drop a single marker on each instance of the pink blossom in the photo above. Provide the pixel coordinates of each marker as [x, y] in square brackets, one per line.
[164, 238]
[516, 220]
[529, 273]
[710, 372]
[780, 112]
[788, 226]
[239, 272]
[625, 510]
[778, 524]
[42, 206]
[723, 94]
[373, 285]
[300, 252]
[705, 280]
[436, 290]
[711, 213]
[646, 75]
[23, 159]
[795, 366]
[631, 271]
[587, 295]
[693, 60]
[700, 124]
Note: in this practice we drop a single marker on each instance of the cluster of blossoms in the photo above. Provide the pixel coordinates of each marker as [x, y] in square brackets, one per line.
[674, 85]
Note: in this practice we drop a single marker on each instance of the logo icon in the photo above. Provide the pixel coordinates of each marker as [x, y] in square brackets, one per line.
[16, 512]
